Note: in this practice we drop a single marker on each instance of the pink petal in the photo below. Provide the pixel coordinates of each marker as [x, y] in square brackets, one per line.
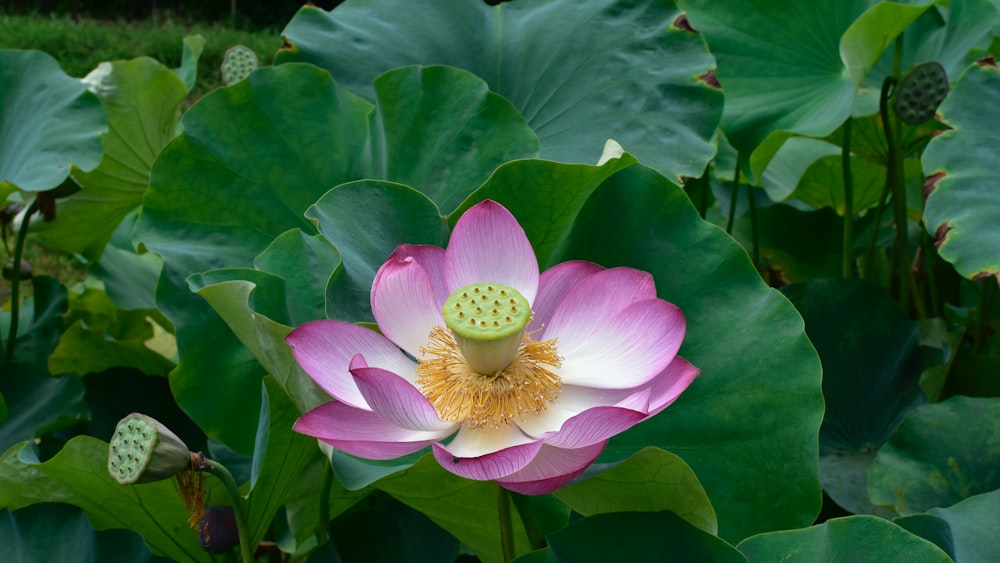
[487, 453]
[404, 304]
[431, 259]
[552, 468]
[594, 301]
[595, 425]
[325, 348]
[397, 400]
[488, 245]
[574, 400]
[554, 284]
[629, 350]
[363, 433]
[669, 385]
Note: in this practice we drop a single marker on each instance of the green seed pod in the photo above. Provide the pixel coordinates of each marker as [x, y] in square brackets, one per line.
[920, 92]
[238, 63]
[143, 450]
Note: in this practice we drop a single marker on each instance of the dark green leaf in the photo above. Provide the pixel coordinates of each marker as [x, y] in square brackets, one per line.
[871, 373]
[38, 403]
[466, 508]
[650, 481]
[931, 528]
[40, 320]
[344, 216]
[78, 475]
[30, 532]
[142, 99]
[972, 527]
[773, 91]
[636, 536]
[855, 538]
[936, 457]
[580, 71]
[963, 204]
[384, 529]
[284, 462]
[741, 334]
[49, 121]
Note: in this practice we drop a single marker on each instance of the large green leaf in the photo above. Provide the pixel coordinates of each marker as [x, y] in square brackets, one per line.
[650, 481]
[129, 277]
[947, 33]
[871, 375]
[40, 320]
[581, 71]
[972, 526]
[254, 156]
[810, 170]
[937, 456]
[37, 403]
[101, 337]
[964, 204]
[634, 536]
[344, 216]
[793, 67]
[48, 121]
[740, 334]
[284, 461]
[796, 245]
[385, 529]
[78, 475]
[142, 99]
[29, 534]
[467, 509]
[855, 538]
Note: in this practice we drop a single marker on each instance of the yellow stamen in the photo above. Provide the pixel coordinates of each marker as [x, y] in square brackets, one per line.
[460, 394]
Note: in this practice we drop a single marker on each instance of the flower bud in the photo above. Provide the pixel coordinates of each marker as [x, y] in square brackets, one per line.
[143, 450]
[217, 529]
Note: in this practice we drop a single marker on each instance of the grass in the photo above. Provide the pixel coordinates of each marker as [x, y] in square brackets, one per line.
[80, 44]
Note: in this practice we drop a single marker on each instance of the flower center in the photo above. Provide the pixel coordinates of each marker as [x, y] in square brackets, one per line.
[485, 371]
[487, 321]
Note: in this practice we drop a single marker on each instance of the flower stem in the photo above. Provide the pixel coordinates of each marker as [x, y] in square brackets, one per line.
[322, 533]
[987, 288]
[506, 524]
[845, 165]
[732, 197]
[895, 180]
[529, 517]
[239, 507]
[755, 245]
[15, 282]
[703, 200]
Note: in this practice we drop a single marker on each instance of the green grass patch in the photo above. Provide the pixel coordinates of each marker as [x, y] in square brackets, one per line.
[80, 44]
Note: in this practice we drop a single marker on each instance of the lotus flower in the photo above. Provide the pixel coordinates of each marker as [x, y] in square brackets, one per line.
[529, 374]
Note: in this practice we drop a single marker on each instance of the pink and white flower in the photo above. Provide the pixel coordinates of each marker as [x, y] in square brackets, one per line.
[529, 374]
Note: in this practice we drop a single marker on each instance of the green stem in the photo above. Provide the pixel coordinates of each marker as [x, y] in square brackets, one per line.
[753, 227]
[703, 201]
[986, 291]
[532, 526]
[324, 506]
[845, 166]
[732, 197]
[894, 177]
[15, 282]
[506, 524]
[870, 254]
[239, 507]
[930, 261]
